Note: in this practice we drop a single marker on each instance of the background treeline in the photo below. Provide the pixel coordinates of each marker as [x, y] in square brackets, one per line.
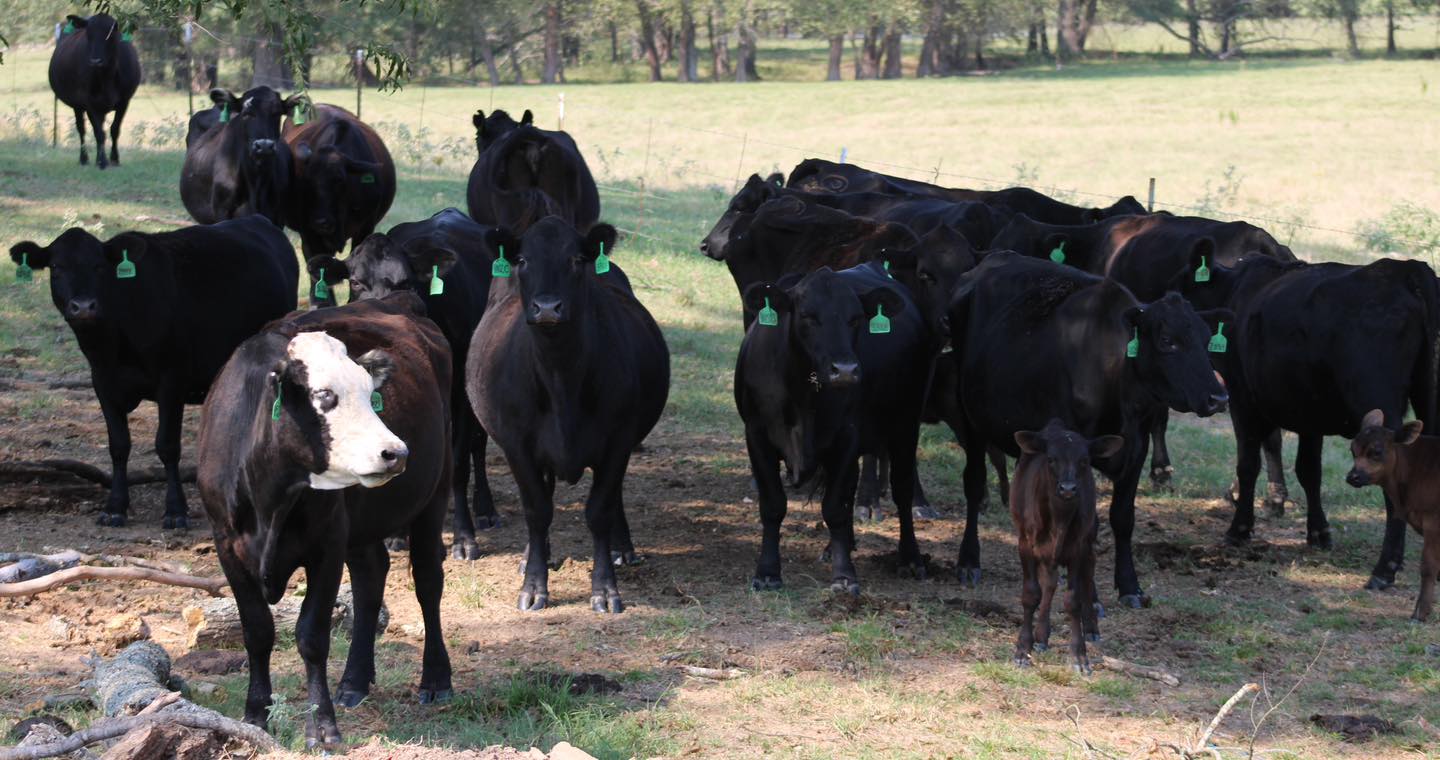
[519, 41]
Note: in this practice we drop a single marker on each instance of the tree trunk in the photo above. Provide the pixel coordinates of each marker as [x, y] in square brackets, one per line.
[1032, 40]
[745, 71]
[689, 66]
[487, 52]
[647, 38]
[515, 64]
[1086, 21]
[1067, 24]
[892, 53]
[837, 52]
[614, 43]
[1390, 27]
[867, 65]
[551, 73]
[719, 49]
[664, 40]
[1351, 41]
[980, 51]
[1192, 15]
[269, 62]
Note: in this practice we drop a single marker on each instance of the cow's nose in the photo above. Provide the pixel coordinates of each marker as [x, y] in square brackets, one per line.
[97, 62]
[844, 373]
[1067, 491]
[81, 308]
[705, 247]
[1217, 402]
[394, 458]
[547, 311]
[1357, 478]
[262, 148]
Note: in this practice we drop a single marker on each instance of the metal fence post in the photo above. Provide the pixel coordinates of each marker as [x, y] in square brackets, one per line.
[1150, 207]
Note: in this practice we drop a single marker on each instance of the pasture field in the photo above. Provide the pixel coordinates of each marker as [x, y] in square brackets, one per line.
[912, 668]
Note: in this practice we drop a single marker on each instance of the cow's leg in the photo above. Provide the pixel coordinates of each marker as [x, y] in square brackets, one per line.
[1247, 468]
[1002, 478]
[461, 436]
[959, 433]
[80, 130]
[1049, 574]
[1122, 520]
[1276, 494]
[97, 124]
[922, 509]
[486, 516]
[170, 402]
[1086, 580]
[1307, 471]
[427, 569]
[1429, 566]
[967, 566]
[1392, 551]
[115, 131]
[600, 511]
[537, 500]
[312, 639]
[117, 429]
[369, 564]
[257, 629]
[770, 497]
[622, 546]
[836, 509]
[1029, 600]
[867, 498]
[1082, 609]
[903, 478]
[1160, 468]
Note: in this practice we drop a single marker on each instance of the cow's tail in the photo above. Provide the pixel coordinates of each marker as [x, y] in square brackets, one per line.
[1428, 289]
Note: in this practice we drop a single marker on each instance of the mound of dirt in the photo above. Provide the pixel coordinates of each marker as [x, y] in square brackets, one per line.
[378, 750]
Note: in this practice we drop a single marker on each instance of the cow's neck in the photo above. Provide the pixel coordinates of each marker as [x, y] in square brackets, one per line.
[565, 358]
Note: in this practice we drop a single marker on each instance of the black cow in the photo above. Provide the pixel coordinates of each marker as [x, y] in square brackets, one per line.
[817, 386]
[326, 433]
[235, 162]
[1312, 349]
[524, 174]
[409, 257]
[821, 176]
[567, 370]
[95, 70]
[1037, 340]
[162, 332]
[343, 183]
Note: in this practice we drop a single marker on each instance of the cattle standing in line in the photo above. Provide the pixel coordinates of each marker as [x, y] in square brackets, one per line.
[344, 182]
[1313, 348]
[567, 371]
[411, 256]
[1407, 467]
[818, 384]
[326, 433]
[1037, 340]
[1053, 506]
[162, 332]
[524, 174]
[95, 70]
[235, 162]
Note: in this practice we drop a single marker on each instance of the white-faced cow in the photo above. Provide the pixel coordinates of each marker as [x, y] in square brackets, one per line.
[95, 71]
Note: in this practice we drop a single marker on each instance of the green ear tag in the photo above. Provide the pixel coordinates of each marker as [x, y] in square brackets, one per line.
[1132, 348]
[127, 37]
[69, 27]
[125, 270]
[1202, 272]
[275, 407]
[602, 262]
[501, 267]
[322, 288]
[367, 179]
[1218, 343]
[1058, 255]
[224, 113]
[879, 324]
[299, 117]
[768, 316]
[437, 285]
[24, 273]
[377, 402]
[887, 269]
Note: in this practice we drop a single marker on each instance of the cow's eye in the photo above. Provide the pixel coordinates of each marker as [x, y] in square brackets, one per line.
[1377, 454]
[324, 399]
[1166, 342]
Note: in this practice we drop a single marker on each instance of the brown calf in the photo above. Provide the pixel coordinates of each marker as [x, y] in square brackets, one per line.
[1052, 500]
[1407, 468]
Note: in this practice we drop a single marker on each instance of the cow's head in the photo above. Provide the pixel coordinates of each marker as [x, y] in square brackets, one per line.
[551, 265]
[823, 319]
[1127, 206]
[1067, 457]
[931, 269]
[257, 113]
[1375, 450]
[490, 128]
[380, 266]
[335, 182]
[102, 38]
[1038, 240]
[1172, 357]
[83, 273]
[328, 397]
[735, 221]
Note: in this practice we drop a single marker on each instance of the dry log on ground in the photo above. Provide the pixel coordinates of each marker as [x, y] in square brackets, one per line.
[215, 624]
[27, 566]
[714, 674]
[84, 572]
[56, 468]
[1142, 671]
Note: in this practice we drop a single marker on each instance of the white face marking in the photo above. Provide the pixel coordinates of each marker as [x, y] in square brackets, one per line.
[358, 437]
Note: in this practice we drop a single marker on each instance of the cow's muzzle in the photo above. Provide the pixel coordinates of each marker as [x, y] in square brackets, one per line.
[1216, 403]
[1358, 478]
[547, 311]
[843, 374]
[82, 311]
[262, 148]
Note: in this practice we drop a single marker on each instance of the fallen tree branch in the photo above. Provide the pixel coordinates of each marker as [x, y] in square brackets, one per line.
[213, 586]
[1199, 746]
[1142, 671]
[109, 729]
[714, 674]
[49, 468]
[27, 566]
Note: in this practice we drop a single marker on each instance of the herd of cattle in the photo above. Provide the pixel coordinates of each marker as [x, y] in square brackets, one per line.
[1058, 335]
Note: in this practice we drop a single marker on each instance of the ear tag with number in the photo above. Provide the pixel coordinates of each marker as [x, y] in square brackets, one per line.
[602, 262]
[437, 285]
[23, 272]
[1058, 255]
[126, 268]
[879, 324]
[768, 316]
[1202, 272]
[377, 402]
[127, 37]
[224, 113]
[367, 179]
[322, 288]
[299, 117]
[501, 267]
[1218, 343]
[69, 28]
[1132, 348]
[275, 407]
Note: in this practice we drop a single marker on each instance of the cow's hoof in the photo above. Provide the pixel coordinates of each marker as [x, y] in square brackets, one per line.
[325, 736]
[1041, 646]
[766, 583]
[609, 603]
[1022, 661]
[1237, 537]
[1093, 638]
[533, 601]
[969, 577]
[101, 163]
[1275, 508]
[435, 696]
[1135, 601]
[1161, 476]
[84, 160]
[825, 556]
[465, 549]
[1376, 583]
[925, 512]
[175, 522]
[1319, 539]
[487, 522]
[914, 569]
[622, 559]
[397, 544]
[845, 586]
[868, 513]
[1099, 610]
[350, 697]
[111, 520]
[1083, 668]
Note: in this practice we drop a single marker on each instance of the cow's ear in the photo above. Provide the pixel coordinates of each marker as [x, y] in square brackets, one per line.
[886, 298]
[776, 179]
[1409, 432]
[221, 96]
[527, 117]
[378, 364]
[126, 245]
[77, 21]
[1213, 317]
[1202, 259]
[1131, 317]
[900, 260]
[31, 254]
[759, 294]
[336, 271]
[478, 119]
[1106, 446]
[1030, 441]
[1373, 418]
[1051, 242]
[498, 238]
[600, 235]
[298, 100]
[430, 257]
[788, 282]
